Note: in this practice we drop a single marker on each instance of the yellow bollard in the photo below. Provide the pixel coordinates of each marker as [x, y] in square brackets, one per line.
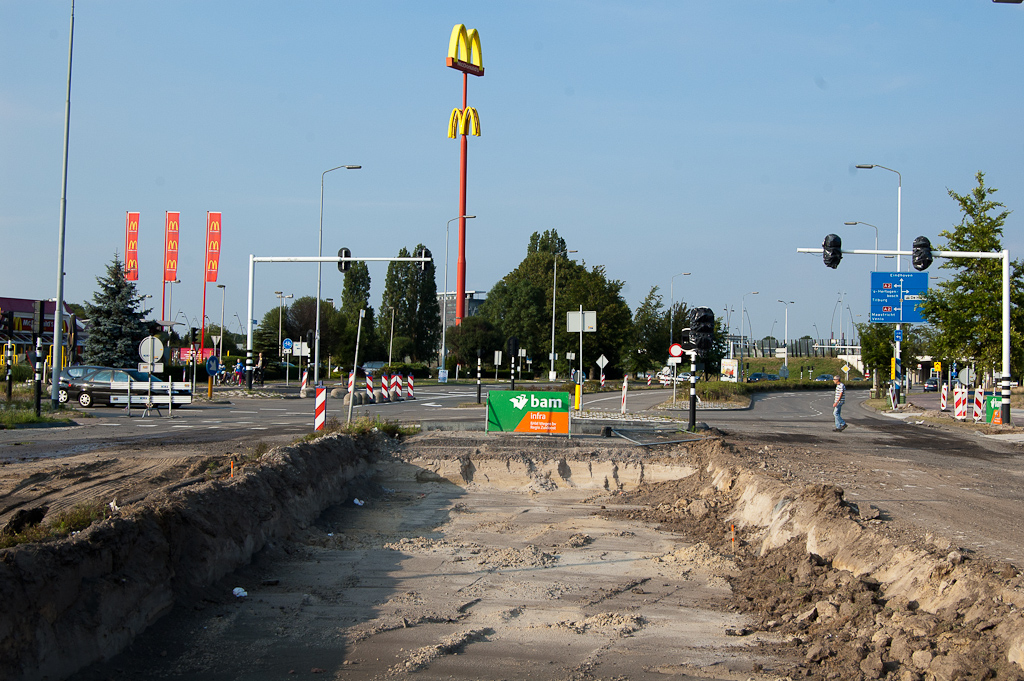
[209, 387]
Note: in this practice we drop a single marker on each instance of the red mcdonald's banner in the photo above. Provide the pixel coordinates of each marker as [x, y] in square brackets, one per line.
[212, 246]
[171, 246]
[131, 247]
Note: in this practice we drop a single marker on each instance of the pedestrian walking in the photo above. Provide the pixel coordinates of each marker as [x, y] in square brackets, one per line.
[837, 404]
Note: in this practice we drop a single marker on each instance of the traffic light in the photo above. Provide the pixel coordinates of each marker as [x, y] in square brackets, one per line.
[309, 339]
[193, 334]
[832, 250]
[7, 323]
[424, 253]
[344, 253]
[702, 329]
[922, 253]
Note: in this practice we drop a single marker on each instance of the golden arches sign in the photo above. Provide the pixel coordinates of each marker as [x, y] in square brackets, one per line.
[464, 122]
[464, 52]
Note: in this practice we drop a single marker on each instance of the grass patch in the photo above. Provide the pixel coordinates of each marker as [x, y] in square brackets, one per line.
[20, 412]
[362, 425]
[62, 525]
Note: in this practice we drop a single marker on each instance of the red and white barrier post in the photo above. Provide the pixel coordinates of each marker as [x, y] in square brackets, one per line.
[369, 389]
[320, 413]
[943, 397]
[979, 405]
[410, 395]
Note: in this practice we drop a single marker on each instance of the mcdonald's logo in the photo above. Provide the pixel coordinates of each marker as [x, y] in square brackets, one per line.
[211, 266]
[133, 245]
[214, 246]
[464, 122]
[172, 226]
[172, 245]
[464, 52]
[133, 226]
[214, 226]
[172, 265]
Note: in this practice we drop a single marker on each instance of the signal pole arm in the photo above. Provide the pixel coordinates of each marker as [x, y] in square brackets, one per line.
[1003, 255]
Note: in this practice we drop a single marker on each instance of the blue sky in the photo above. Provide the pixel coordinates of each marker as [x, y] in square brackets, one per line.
[657, 138]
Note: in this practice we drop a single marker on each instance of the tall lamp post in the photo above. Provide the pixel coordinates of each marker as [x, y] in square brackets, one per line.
[554, 292]
[672, 302]
[319, 267]
[220, 355]
[899, 211]
[743, 309]
[787, 304]
[444, 309]
[857, 222]
[280, 313]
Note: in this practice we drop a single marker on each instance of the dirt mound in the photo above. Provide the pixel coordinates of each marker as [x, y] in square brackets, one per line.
[849, 601]
[68, 603]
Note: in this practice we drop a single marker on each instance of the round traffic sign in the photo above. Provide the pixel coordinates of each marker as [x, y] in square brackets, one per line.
[286, 344]
[212, 365]
[676, 350]
[151, 349]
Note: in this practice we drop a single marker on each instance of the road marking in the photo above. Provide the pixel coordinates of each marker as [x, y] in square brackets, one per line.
[147, 425]
[235, 411]
[272, 409]
[432, 404]
[182, 426]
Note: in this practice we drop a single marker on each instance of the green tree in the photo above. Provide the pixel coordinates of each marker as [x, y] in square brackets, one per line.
[966, 309]
[650, 343]
[475, 333]
[426, 336]
[411, 291]
[115, 320]
[355, 296]
[265, 336]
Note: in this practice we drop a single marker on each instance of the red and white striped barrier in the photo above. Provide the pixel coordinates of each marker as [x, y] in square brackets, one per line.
[320, 414]
[960, 403]
[602, 379]
[410, 395]
[396, 387]
[943, 397]
[979, 405]
[648, 379]
[369, 389]
[305, 375]
[384, 392]
[625, 384]
[351, 382]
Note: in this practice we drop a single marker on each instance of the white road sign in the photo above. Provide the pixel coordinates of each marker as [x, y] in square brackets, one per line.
[602, 361]
[150, 349]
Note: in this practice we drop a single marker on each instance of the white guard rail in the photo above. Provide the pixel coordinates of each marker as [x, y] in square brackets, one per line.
[141, 395]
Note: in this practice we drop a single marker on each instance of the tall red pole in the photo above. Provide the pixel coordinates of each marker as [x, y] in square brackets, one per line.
[460, 265]
[202, 322]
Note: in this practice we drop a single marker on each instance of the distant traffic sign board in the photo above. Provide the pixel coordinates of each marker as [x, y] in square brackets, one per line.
[675, 350]
[895, 297]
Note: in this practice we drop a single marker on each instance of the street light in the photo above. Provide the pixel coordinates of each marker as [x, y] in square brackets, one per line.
[899, 211]
[876, 232]
[554, 292]
[319, 267]
[444, 298]
[220, 355]
[280, 308]
[672, 302]
[787, 304]
[743, 309]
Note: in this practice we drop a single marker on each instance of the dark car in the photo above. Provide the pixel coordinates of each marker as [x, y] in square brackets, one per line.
[91, 385]
[823, 377]
[757, 376]
[931, 385]
[772, 377]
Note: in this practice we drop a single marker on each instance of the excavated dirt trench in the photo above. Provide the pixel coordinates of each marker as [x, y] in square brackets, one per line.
[503, 558]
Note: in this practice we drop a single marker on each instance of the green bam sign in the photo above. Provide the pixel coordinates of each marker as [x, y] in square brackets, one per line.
[527, 412]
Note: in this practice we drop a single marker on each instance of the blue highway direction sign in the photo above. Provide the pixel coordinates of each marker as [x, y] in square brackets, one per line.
[896, 296]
